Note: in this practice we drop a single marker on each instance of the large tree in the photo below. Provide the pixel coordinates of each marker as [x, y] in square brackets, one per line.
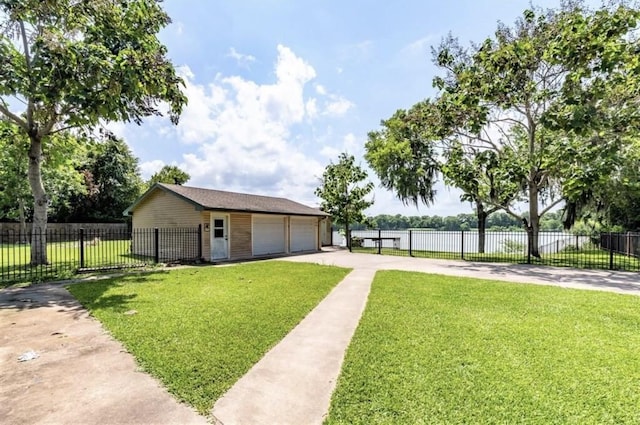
[551, 98]
[76, 64]
[171, 174]
[343, 192]
[111, 180]
[59, 170]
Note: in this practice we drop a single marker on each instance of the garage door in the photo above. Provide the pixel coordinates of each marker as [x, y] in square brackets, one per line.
[304, 233]
[268, 235]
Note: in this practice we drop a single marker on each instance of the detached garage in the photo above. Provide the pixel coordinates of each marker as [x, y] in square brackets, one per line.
[235, 225]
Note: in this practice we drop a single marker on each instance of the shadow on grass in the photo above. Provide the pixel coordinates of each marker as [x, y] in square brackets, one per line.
[56, 295]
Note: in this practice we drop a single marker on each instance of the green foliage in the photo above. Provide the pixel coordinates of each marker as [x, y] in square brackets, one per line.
[402, 154]
[77, 64]
[112, 183]
[439, 349]
[170, 174]
[539, 113]
[342, 195]
[59, 169]
[198, 330]
[87, 61]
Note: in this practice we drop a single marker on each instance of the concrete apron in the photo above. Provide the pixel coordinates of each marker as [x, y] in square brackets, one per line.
[82, 375]
[293, 382]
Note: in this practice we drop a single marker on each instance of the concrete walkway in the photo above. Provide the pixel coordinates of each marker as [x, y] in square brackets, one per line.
[293, 383]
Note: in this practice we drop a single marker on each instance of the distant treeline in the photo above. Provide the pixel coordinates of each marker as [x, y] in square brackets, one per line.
[497, 221]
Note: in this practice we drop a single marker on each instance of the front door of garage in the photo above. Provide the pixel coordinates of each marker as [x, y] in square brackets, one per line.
[219, 238]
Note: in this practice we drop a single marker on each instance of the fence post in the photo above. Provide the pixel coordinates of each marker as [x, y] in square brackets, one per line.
[577, 243]
[529, 237]
[379, 241]
[200, 242]
[462, 245]
[156, 245]
[81, 248]
[410, 243]
[610, 251]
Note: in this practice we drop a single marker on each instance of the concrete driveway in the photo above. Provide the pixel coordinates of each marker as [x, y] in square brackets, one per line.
[599, 280]
[82, 375]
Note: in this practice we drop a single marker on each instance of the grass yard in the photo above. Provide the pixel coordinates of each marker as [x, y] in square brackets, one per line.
[433, 349]
[64, 259]
[200, 329]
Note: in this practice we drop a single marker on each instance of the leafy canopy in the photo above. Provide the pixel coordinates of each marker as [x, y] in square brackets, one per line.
[79, 62]
[343, 196]
[171, 174]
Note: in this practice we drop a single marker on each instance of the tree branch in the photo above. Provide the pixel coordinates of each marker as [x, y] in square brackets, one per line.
[13, 117]
[27, 60]
[46, 129]
[553, 204]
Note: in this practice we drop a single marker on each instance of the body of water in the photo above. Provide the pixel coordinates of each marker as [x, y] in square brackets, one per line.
[443, 241]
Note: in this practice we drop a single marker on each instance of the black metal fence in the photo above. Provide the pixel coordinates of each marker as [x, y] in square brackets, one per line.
[83, 250]
[611, 251]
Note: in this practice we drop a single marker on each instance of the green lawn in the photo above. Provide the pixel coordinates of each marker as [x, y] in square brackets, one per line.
[435, 349]
[64, 259]
[200, 329]
[585, 259]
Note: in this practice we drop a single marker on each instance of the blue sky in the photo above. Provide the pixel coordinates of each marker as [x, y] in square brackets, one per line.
[278, 88]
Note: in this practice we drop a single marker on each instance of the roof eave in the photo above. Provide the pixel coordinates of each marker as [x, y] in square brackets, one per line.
[129, 211]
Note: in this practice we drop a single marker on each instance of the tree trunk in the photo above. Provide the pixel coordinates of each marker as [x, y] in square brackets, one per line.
[40, 203]
[482, 226]
[534, 220]
[23, 222]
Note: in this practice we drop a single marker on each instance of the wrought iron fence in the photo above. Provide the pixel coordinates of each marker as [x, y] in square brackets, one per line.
[83, 250]
[611, 251]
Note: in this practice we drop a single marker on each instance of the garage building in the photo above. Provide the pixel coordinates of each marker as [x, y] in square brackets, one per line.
[234, 225]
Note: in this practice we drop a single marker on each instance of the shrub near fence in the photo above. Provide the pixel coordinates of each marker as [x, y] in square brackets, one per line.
[609, 251]
[82, 250]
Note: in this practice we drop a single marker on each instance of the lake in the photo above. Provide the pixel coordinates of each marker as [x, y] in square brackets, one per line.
[454, 241]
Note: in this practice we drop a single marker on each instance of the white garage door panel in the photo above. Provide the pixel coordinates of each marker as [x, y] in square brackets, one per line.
[304, 232]
[268, 235]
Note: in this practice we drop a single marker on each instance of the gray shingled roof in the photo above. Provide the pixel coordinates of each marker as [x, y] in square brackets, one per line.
[218, 200]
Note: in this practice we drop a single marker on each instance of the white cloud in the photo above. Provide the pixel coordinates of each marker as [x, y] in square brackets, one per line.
[337, 106]
[241, 59]
[244, 132]
[321, 90]
[312, 108]
[350, 144]
[420, 47]
[149, 168]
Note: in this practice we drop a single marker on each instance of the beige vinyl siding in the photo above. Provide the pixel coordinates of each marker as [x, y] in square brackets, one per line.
[240, 236]
[163, 210]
